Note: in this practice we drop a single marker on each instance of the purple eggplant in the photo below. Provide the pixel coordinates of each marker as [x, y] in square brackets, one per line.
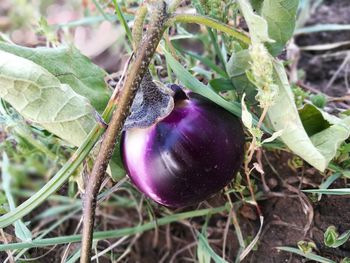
[189, 155]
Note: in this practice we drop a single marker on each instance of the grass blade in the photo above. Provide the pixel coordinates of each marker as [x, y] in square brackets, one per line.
[122, 21]
[21, 231]
[321, 28]
[114, 233]
[339, 191]
[310, 256]
[328, 182]
[203, 243]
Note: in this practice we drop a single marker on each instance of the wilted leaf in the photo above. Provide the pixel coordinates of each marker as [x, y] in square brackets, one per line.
[40, 97]
[322, 146]
[283, 115]
[280, 16]
[70, 67]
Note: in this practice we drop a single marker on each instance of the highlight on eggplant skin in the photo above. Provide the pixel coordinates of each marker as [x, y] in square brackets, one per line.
[188, 156]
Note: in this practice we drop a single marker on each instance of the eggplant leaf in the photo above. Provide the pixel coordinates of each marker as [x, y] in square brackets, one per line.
[258, 27]
[280, 16]
[70, 67]
[283, 115]
[40, 97]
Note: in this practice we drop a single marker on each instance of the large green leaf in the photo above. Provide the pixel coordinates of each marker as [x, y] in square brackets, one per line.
[71, 67]
[280, 16]
[40, 97]
[283, 115]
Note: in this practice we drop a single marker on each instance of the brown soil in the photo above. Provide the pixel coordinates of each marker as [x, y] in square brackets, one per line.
[320, 66]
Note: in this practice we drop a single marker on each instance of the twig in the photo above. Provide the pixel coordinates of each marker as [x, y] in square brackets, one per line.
[131, 84]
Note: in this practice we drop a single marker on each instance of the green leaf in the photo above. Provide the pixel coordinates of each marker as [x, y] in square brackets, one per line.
[238, 63]
[70, 67]
[202, 253]
[258, 27]
[115, 164]
[332, 238]
[280, 16]
[327, 183]
[329, 140]
[237, 67]
[306, 247]
[313, 120]
[321, 148]
[221, 84]
[40, 97]
[257, 5]
[206, 248]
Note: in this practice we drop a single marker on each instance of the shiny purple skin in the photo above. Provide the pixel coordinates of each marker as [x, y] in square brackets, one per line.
[188, 156]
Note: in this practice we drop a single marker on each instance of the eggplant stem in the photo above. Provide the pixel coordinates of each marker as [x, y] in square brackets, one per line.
[132, 82]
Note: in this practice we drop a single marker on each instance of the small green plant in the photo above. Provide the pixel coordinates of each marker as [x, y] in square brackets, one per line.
[333, 239]
[306, 246]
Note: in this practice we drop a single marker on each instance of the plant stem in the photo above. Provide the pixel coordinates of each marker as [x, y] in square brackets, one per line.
[137, 28]
[131, 84]
[207, 21]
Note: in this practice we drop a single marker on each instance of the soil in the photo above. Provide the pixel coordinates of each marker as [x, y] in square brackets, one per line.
[321, 66]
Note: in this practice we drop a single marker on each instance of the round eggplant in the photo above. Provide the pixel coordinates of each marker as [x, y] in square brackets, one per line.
[189, 155]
